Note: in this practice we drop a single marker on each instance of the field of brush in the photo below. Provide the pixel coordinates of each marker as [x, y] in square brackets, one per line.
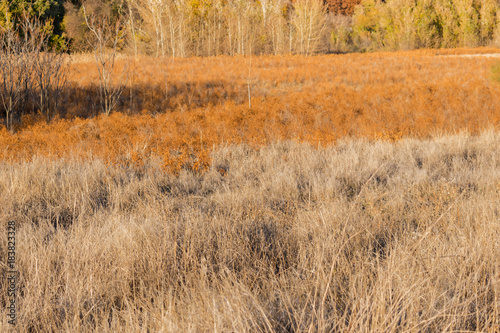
[344, 193]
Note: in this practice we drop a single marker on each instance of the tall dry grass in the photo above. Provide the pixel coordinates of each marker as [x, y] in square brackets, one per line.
[357, 237]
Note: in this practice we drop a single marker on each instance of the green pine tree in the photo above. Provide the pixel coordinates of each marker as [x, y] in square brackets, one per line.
[49, 12]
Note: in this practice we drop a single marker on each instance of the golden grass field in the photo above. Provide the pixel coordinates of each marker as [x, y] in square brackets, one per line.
[358, 193]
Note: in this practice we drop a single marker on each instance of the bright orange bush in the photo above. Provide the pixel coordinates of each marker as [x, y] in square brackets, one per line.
[314, 99]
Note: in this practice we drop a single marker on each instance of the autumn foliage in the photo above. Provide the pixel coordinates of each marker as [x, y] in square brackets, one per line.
[177, 111]
[344, 7]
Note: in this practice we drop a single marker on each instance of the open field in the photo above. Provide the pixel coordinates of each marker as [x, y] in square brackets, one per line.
[357, 193]
[310, 99]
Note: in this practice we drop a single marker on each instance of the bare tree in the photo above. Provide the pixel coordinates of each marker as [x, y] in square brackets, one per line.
[177, 15]
[206, 28]
[106, 31]
[46, 73]
[156, 9]
[275, 25]
[132, 28]
[12, 73]
[28, 71]
[309, 24]
[241, 22]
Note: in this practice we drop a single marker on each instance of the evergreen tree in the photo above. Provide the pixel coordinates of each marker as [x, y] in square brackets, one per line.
[49, 12]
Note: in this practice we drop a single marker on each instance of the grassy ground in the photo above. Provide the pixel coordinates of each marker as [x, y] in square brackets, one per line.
[357, 193]
[362, 236]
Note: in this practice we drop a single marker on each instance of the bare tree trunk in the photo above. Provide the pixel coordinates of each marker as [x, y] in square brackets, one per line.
[131, 23]
[106, 34]
[309, 24]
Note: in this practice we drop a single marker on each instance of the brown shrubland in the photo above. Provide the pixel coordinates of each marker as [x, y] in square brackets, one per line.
[177, 111]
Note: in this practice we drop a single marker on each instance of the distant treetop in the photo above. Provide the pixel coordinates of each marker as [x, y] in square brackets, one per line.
[344, 7]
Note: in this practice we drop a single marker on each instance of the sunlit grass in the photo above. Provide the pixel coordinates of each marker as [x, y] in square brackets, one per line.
[362, 236]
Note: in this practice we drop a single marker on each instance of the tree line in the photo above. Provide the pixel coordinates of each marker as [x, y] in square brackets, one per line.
[183, 28]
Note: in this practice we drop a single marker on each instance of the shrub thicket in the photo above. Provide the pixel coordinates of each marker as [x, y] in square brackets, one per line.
[410, 24]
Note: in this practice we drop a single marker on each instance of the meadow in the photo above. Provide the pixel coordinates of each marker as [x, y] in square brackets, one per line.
[334, 193]
[178, 110]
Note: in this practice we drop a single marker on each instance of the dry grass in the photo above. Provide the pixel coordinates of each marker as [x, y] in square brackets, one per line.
[357, 237]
